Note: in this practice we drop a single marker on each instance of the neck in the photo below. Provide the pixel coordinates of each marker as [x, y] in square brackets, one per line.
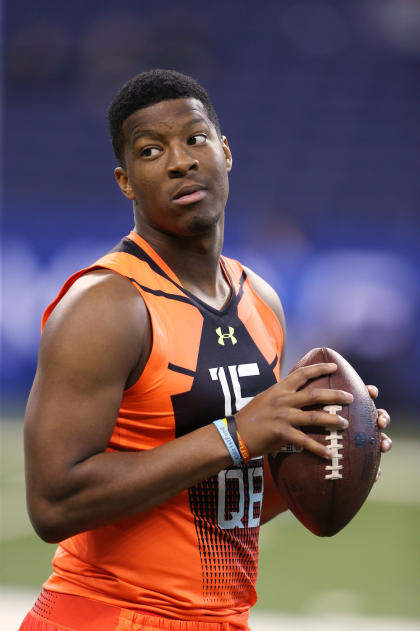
[194, 259]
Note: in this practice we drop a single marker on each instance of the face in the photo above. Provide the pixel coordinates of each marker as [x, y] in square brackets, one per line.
[175, 168]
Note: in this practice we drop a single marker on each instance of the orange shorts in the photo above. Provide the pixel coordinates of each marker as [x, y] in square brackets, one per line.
[64, 612]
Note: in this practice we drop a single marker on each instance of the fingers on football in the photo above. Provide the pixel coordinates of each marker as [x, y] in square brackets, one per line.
[383, 418]
[386, 443]
[319, 418]
[300, 376]
[300, 439]
[373, 391]
[320, 396]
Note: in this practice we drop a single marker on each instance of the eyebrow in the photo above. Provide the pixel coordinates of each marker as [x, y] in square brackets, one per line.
[152, 133]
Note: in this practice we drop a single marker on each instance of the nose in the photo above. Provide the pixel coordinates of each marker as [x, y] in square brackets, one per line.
[180, 161]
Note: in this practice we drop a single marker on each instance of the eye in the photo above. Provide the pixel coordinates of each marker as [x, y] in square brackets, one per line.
[198, 139]
[150, 152]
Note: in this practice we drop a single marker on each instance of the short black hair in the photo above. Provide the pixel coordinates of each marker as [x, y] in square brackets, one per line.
[148, 88]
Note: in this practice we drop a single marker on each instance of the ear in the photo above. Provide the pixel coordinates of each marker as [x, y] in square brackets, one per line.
[227, 152]
[123, 182]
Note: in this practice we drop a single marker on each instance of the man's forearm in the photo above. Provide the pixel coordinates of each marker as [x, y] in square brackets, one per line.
[111, 485]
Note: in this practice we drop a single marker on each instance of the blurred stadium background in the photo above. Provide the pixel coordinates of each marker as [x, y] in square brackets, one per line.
[320, 101]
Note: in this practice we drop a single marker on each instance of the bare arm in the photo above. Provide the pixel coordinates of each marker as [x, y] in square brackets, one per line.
[95, 343]
[96, 340]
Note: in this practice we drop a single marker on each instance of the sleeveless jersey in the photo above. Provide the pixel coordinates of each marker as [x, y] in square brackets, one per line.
[195, 556]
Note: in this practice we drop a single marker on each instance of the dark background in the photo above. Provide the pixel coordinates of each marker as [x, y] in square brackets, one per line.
[320, 103]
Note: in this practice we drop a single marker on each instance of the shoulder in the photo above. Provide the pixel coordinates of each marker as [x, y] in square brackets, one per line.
[101, 315]
[100, 291]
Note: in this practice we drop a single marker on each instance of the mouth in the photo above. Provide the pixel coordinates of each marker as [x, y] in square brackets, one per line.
[189, 194]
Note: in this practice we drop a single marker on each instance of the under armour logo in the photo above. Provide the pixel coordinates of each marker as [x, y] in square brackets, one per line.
[226, 336]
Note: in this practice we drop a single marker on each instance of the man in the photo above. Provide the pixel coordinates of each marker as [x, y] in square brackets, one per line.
[157, 396]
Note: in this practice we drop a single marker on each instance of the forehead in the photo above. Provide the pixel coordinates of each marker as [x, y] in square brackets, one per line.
[165, 116]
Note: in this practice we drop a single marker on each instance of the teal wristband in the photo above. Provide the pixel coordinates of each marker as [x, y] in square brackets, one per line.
[228, 440]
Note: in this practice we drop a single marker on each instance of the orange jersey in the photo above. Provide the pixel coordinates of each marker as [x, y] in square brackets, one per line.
[195, 556]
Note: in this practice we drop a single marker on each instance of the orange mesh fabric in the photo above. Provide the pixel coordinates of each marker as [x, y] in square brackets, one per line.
[196, 555]
[58, 612]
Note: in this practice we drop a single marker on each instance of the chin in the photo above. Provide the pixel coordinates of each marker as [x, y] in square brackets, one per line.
[202, 225]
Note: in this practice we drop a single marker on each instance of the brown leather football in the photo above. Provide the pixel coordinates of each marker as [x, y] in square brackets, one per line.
[325, 495]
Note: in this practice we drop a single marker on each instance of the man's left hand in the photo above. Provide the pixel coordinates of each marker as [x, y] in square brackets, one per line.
[383, 421]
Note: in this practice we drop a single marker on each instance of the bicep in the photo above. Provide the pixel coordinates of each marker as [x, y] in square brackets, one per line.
[88, 348]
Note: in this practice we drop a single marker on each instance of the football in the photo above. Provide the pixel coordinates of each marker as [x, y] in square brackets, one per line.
[325, 495]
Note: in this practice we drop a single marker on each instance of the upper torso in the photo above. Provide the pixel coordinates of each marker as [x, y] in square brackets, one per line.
[195, 556]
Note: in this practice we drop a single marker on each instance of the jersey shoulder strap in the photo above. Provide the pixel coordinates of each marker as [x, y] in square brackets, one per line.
[134, 259]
